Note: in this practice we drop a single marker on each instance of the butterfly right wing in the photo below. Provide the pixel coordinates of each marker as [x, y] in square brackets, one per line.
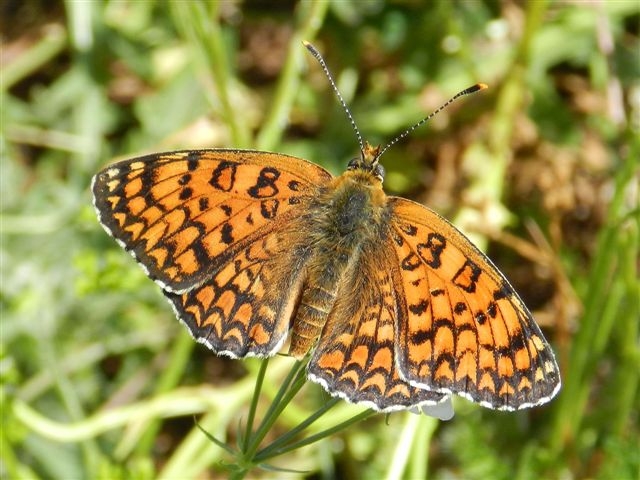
[182, 214]
[464, 328]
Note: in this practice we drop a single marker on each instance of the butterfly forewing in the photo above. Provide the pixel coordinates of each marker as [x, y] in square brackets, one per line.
[464, 329]
[182, 214]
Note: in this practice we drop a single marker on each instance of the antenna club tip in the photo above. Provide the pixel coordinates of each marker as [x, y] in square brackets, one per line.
[311, 48]
[475, 88]
[472, 89]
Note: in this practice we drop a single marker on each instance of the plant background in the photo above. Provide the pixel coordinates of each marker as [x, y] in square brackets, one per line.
[100, 381]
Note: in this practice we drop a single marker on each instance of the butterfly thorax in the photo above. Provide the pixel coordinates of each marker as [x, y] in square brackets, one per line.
[347, 215]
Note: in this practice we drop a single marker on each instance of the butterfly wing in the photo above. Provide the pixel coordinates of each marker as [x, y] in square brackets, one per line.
[220, 231]
[183, 214]
[245, 308]
[464, 329]
[355, 356]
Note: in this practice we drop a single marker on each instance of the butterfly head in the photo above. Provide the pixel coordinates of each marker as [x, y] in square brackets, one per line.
[368, 161]
[370, 155]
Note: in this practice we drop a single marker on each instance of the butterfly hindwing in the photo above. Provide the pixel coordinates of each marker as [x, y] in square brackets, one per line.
[245, 308]
[465, 330]
[355, 356]
[180, 213]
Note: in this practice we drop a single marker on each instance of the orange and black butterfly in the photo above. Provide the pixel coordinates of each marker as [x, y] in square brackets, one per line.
[395, 306]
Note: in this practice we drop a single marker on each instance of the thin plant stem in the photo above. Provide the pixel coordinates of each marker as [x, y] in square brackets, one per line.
[254, 403]
[198, 22]
[312, 14]
[592, 337]
[291, 385]
[283, 439]
[326, 433]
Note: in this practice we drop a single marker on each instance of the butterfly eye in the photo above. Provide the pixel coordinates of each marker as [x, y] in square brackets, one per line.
[353, 164]
[379, 172]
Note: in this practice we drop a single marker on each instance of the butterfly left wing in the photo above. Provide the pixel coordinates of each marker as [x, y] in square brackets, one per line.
[355, 356]
[219, 231]
[466, 330]
[245, 308]
[182, 213]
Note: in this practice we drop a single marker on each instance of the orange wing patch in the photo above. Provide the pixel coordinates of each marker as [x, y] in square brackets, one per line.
[466, 330]
[178, 213]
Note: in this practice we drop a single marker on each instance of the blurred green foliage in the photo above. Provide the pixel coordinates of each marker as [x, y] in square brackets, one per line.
[100, 381]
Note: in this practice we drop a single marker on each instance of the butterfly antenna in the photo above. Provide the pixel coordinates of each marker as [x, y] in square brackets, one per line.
[322, 63]
[467, 91]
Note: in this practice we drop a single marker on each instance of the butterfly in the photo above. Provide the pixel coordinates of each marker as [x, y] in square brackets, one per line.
[395, 307]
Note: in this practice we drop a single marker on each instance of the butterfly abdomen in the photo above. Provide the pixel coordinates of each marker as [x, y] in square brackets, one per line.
[347, 215]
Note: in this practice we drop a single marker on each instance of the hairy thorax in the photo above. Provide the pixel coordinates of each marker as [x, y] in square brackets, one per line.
[346, 216]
